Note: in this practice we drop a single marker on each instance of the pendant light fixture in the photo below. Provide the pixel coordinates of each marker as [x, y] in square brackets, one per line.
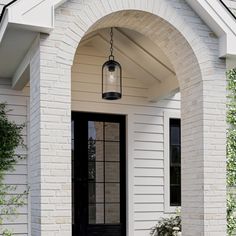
[111, 76]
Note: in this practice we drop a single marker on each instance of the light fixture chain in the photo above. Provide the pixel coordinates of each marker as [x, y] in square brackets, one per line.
[111, 75]
[111, 43]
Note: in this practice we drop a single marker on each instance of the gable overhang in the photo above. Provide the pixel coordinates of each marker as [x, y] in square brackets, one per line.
[37, 16]
[221, 21]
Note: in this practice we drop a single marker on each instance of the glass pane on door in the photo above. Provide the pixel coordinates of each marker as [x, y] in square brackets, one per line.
[98, 174]
[104, 172]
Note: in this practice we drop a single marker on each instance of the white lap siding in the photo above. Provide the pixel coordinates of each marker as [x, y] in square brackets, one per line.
[17, 105]
[145, 121]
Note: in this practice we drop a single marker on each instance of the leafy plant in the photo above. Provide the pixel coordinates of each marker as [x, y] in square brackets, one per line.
[231, 213]
[170, 226]
[231, 152]
[10, 139]
[231, 132]
[7, 232]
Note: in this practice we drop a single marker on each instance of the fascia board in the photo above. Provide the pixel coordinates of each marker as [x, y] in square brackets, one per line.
[32, 14]
[215, 15]
[31, 27]
[3, 25]
[57, 3]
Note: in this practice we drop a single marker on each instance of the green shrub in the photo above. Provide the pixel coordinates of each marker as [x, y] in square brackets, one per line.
[170, 226]
[231, 152]
[10, 139]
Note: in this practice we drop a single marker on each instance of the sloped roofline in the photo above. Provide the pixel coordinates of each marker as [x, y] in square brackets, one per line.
[222, 2]
[7, 5]
[223, 24]
[4, 9]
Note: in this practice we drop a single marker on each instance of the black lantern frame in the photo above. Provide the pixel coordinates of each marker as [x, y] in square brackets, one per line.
[111, 76]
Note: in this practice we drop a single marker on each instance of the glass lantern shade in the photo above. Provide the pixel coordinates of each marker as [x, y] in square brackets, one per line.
[111, 80]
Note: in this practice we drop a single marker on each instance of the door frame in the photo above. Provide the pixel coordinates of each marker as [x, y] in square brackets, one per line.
[121, 119]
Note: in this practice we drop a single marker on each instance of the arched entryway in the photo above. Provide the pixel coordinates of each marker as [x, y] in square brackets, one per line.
[192, 49]
[138, 191]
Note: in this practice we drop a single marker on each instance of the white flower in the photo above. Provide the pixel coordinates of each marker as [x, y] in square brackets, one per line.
[176, 228]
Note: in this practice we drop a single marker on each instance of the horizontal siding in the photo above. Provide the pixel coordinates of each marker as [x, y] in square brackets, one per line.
[143, 198]
[17, 104]
[148, 137]
[148, 154]
[147, 144]
[139, 163]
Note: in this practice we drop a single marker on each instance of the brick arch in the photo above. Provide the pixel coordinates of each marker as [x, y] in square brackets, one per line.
[170, 40]
[162, 21]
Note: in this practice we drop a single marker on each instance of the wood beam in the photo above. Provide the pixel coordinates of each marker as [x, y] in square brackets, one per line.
[22, 74]
[136, 52]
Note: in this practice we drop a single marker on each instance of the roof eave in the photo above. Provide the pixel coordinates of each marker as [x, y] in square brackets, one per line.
[216, 15]
[14, 14]
[221, 21]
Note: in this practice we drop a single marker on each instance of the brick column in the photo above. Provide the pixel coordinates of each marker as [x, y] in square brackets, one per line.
[204, 156]
[50, 148]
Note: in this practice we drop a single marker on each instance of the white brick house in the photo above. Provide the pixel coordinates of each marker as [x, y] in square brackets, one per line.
[174, 55]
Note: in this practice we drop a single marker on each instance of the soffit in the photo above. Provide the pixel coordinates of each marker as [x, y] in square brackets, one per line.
[13, 48]
[138, 55]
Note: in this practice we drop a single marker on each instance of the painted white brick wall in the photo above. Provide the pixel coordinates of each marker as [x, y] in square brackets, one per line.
[194, 54]
[50, 148]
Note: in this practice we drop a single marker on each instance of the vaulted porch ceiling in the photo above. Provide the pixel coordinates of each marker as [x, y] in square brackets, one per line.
[139, 57]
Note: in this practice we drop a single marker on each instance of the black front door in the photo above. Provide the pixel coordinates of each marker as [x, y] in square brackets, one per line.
[98, 174]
